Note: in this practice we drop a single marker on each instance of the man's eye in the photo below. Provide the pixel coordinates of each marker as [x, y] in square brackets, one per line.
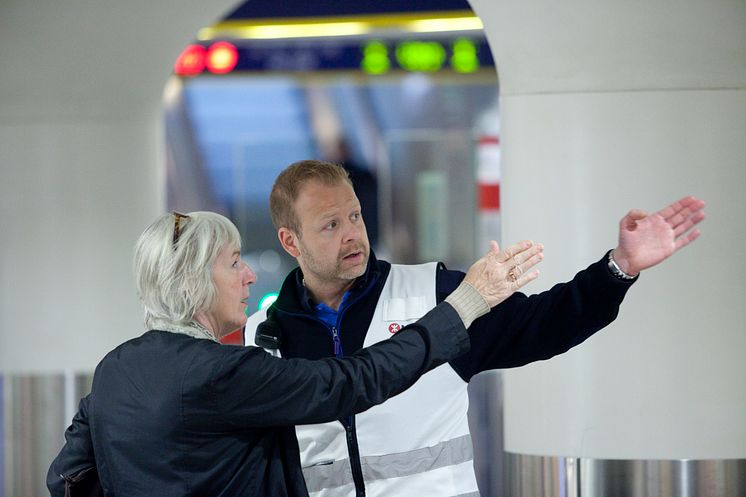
[331, 225]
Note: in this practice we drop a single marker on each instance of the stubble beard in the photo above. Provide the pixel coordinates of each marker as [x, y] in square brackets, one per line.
[336, 273]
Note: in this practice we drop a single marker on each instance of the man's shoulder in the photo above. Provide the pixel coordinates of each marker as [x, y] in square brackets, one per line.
[251, 324]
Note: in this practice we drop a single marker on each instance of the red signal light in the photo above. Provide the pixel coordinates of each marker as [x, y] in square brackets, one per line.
[222, 57]
[191, 61]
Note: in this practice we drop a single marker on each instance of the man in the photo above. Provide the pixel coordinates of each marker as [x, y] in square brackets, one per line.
[342, 298]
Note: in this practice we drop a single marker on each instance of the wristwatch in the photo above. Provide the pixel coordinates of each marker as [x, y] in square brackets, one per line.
[616, 270]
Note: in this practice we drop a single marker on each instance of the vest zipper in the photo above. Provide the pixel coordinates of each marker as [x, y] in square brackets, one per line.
[349, 422]
[355, 466]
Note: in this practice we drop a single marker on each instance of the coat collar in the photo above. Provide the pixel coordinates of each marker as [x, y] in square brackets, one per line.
[295, 297]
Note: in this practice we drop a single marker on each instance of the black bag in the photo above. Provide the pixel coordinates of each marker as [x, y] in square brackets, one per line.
[84, 483]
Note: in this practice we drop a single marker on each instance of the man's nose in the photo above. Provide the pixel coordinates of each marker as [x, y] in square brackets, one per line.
[353, 231]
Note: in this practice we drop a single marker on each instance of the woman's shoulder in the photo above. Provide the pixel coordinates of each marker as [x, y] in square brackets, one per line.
[157, 349]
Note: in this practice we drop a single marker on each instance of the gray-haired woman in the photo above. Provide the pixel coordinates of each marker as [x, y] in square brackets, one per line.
[175, 413]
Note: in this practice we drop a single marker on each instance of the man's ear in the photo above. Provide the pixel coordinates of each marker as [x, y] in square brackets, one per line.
[289, 241]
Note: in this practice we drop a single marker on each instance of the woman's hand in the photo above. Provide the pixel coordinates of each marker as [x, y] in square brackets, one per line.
[498, 274]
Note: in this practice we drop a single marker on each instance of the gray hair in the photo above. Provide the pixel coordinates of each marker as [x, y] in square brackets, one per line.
[174, 277]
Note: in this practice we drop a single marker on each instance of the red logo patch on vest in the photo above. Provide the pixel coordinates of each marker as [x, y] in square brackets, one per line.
[394, 327]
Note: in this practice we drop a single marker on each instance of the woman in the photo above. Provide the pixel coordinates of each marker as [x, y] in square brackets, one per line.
[175, 413]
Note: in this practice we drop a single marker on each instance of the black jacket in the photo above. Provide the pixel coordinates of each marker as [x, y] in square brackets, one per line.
[520, 330]
[171, 415]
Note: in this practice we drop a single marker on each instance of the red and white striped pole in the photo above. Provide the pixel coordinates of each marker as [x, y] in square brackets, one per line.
[488, 189]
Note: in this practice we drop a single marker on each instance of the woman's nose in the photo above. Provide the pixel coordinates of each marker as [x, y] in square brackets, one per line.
[250, 276]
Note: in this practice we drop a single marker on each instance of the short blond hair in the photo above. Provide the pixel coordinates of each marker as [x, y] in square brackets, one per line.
[288, 184]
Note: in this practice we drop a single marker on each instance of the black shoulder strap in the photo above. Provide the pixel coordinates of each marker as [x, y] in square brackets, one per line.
[268, 333]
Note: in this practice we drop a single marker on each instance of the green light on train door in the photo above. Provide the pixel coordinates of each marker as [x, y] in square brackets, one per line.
[464, 58]
[420, 56]
[375, 58]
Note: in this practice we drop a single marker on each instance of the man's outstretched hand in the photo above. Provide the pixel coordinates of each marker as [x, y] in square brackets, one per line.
[646, 240]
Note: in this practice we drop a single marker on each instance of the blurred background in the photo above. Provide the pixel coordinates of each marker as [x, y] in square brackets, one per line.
[111, 114]
[398, 96]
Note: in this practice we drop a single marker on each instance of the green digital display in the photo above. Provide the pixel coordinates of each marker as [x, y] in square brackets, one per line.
[420, 56]
[464, 58]
[376, 58]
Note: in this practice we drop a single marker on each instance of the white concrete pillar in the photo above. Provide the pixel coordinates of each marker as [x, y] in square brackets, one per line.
[606, 107]
[81, 175]
[82, 169]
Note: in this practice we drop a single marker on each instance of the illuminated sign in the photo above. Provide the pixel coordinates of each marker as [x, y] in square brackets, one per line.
[374, 57]
[221, 57]
[191, 61]
[464, 58]
[218, 58]
[420, 56]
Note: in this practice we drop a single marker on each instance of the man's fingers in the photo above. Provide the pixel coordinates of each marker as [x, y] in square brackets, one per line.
[689, 203]
[675, 207]
[687, 224]
[629, 222]
[685, 212]
[686, 240]
[670, 210]
[674, 214]
[682, 228]
[637, 214]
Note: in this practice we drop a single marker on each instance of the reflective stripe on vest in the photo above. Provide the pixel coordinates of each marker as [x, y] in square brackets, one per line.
[410, 463]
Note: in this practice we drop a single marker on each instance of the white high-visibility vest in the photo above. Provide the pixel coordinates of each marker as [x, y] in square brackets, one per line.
[415, 444]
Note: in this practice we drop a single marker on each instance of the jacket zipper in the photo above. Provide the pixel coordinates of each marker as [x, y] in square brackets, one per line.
[337, 343]
[335, 334]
